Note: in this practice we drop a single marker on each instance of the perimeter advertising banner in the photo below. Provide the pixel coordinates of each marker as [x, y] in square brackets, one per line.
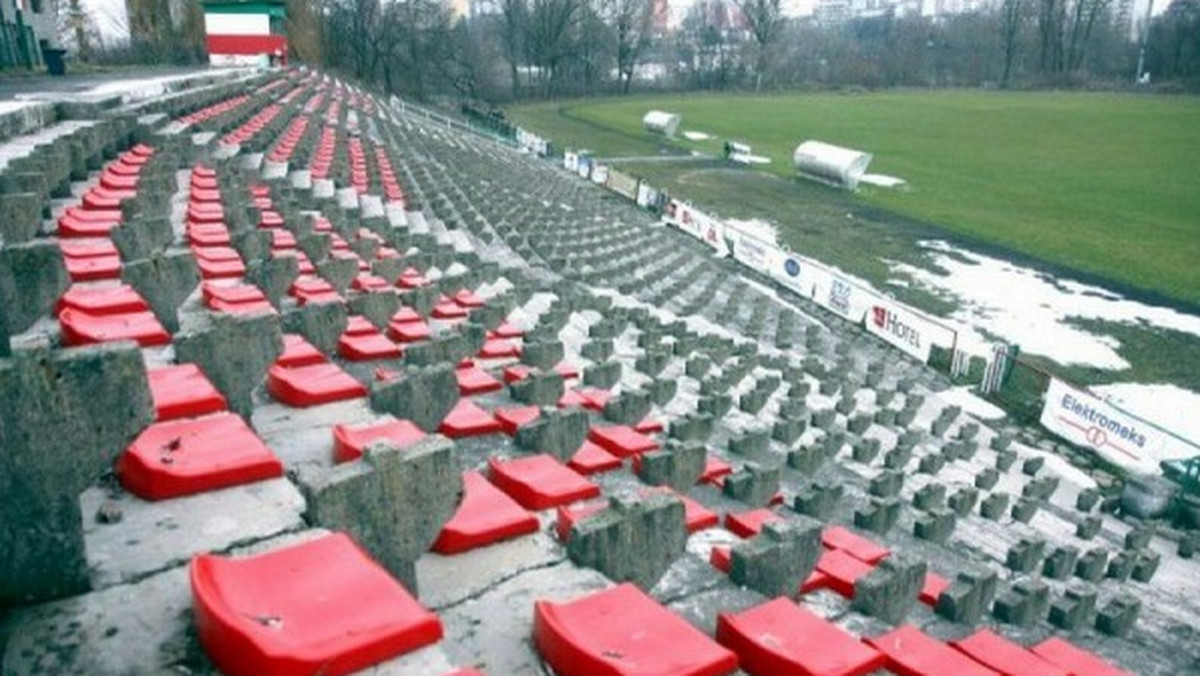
[897, 325]
[697, 224]
[1119, 437]
[623, 184]
[600, 173]
[571, 161]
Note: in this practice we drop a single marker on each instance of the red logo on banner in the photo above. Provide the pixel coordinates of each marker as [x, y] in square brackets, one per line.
[712, 234]
[879, 314]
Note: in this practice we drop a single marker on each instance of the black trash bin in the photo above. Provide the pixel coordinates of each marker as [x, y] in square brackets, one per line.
[55, 64]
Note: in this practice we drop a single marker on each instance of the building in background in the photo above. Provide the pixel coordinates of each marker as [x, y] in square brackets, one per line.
[245, 32]
[26, 28]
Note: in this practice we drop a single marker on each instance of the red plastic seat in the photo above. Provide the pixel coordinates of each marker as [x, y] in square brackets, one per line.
[411, 279]
[748, 524]
[107, 299]
[513, 418]
[308, 289]
[623, 632]
[208, 235]
[218, 262]
[515, 373]
[592, 459]
[319, 607]
[298, 352]
[76, 222]
[486, 516]
[1005, 657]
[912, 652]
[409, 332]
[448, 309]
[473, 380]
[349, 442]
[225, 294]
[467, 299]
[721, 558]
[595, 398]
[1078, 661]
[838, 571]
[467, 419]
[92, 268]
[183, 391]
[567, 371]
[715, 470]
[311, 385]
[780, 637]
[194, 455]
[649, 425]
[495, 348]
[621, 440]
[88, 248]
[861, 548]
[369, 282]
[81, 328]
[572, 399]
[507, 330]
[540, 482]
[367, 347]
[201, 212]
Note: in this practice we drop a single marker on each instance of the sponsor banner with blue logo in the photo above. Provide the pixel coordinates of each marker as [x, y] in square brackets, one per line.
[902, 328]
[1115, 435]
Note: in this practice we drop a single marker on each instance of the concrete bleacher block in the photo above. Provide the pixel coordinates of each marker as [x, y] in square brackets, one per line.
[987, 478]
[603, 376]
[994, 506]
[859, 424]
[968, 596]
[1087, 499]
[1145, 564]
[20, 216]
[833, 442]
[1024, 510]
[694, 426]
[597, 350]
[143, 237]
[879, 515]
[1089, 527]
[886, 484]
[321, 324]
[936, 525]
[540, 388]
[892, 588]
[753, 484]
[818, 500]
[1074, 608]
[1091, 565]
[33, 277]
[696, 367]
[663, 390]
[165, 281]
[931, 464]
[779, 559]
[557, 432]
[1033, 465]
[424, 395]
[635, 539]
[1005, 459]
[234, 351]
[865, 450]
[393, 502]
[1139, 537]
[628, 408]
[962, 502]
[807, 459]
[678, 465]
[1060, 563]
[447, 348]
[1025, 555]
[846, 404]
[542, 354]
[274, 276]
[906, 416]
[1120, 566]
[1041, 488]
[788, 430]
[255, 245]
[1117, 617]
[339, 272]
[716, 405]
[65, 417]
[1188, 543]
[752, 402]
[794, 407]
[1024, 604]
[751, 443]
[376, 306]
[897, 458]
[930, 496]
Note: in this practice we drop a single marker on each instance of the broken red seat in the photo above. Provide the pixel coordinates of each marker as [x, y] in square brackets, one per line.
[540, 481]
[621, 440]
[349, 441]
[568, 515]
[912, 652]
[409, 332]
[780, 637]
[473, 380]
[467, 419]
[1078, 661]
[184, 457]
[486, 516]
[318, 607]
[448, 309]
[102, 299]
[592, 459]
[311, 385]
[81, 328]
[468, 299]
[495, 348]
[183, 391]
[838, 571]
[649, 425]
[298, 352]
[516, 373]
[367, 347]
[932, 588]
[218, 262]
[512, 418]
[861, 548]
[1005, 657]
[76, 222]
[623, 632]
[714, 469]
[747, 524]
[507, 330]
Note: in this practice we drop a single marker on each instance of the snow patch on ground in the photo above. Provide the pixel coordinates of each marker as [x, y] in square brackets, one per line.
[696, 136]
[755, 227]
[1175, 408]
[1031, 308]
[962, 397]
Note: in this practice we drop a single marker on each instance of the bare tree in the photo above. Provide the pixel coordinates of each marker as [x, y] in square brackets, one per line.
[514, 22]
[631, 21]
[1011, 18]
[763, 18]
[551, 24]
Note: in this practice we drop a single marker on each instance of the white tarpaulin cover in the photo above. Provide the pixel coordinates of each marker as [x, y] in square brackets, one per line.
[835, 165]
[1119, 437]
[661, 122]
